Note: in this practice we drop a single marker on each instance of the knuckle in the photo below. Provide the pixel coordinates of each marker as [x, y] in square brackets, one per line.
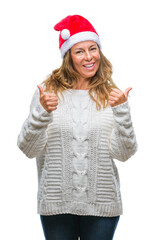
[52, 95]
[55, 98]
[55, 103]
[49, 108]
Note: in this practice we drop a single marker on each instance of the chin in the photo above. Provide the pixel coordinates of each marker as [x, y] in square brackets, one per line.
[89, 75]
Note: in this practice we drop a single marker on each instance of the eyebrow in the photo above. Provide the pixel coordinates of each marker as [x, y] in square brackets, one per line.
[94, 45]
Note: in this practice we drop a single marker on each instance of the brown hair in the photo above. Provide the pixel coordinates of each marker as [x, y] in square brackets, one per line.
[65, 78]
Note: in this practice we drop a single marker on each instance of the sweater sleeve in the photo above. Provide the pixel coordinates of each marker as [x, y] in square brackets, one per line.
[123, 142]
[33, 135]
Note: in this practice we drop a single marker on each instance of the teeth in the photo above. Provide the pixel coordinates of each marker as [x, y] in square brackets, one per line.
[89, 65]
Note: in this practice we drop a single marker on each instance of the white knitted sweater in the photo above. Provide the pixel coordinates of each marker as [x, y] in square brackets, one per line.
[74, 148]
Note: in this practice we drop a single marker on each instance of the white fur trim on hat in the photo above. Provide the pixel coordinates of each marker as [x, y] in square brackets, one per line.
[79, 37]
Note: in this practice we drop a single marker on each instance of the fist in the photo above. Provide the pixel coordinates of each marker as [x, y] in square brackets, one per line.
[117, 97]
[49, 101]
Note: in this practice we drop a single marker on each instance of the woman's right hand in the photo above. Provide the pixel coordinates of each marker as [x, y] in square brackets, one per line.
[49, 101]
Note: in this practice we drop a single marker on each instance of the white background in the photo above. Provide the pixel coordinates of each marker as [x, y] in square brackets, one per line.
[28, 53]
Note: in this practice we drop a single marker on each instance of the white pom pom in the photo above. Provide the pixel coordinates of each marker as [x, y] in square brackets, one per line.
[65, 34]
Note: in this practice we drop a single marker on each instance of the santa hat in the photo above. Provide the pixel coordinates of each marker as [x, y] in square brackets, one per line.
[74, 29]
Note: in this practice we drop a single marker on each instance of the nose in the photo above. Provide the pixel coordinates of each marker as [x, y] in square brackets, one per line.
[88, 56]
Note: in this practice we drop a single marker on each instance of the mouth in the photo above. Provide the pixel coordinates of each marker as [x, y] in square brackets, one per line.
[89, 66]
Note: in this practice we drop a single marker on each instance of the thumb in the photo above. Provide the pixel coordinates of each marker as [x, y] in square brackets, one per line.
[41, 90]
[126, 93]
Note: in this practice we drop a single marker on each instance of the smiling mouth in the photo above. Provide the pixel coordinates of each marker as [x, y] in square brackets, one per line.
[89, 66]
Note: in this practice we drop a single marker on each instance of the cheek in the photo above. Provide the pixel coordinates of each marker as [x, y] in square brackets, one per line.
[78, 65]
[76, 62]
[98, 57]
[98, 63]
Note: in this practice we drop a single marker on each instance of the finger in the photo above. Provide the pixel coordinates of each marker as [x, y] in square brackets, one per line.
[126, 93]
[50, 96]
[114, 94]
[41, 90]
[51, 104]
[50, 109]
[116, 90]
[111, 98]
[50, 99]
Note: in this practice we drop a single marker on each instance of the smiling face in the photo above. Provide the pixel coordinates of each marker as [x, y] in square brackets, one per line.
[86, 58]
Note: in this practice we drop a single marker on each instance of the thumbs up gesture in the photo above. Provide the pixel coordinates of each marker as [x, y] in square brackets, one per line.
[49, 101]
[117, 97]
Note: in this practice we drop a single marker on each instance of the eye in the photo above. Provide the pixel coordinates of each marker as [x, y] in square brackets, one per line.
[93, 49]
[78, 52]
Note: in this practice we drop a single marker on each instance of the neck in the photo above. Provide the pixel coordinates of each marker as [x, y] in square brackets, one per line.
[82, 84]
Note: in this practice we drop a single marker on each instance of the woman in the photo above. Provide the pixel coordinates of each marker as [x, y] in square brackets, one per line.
[79, 122]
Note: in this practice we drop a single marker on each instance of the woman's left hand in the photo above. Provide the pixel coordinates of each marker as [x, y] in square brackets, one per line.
[117, 97]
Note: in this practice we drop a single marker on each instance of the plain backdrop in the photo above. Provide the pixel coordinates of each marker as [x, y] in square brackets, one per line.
[28, 54]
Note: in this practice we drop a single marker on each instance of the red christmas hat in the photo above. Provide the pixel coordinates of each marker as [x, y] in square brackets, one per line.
[74, 29]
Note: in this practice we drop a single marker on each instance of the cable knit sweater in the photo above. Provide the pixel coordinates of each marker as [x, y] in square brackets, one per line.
[74, 148]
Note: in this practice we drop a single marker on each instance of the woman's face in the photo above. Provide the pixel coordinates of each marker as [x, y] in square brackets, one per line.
[86, 58]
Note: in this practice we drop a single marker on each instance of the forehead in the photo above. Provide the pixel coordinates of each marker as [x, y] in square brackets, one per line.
[84, 44]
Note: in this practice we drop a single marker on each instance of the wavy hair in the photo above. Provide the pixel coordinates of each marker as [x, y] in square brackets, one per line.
[65, 78]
